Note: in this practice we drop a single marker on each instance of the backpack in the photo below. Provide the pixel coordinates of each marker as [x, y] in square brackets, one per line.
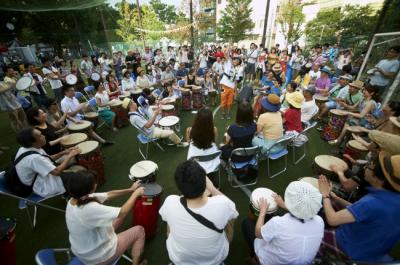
[14, 182]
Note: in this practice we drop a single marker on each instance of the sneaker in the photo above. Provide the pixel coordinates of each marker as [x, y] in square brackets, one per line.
[182, 144]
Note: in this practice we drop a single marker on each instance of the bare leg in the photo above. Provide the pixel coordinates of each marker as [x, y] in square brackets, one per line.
[96, 137]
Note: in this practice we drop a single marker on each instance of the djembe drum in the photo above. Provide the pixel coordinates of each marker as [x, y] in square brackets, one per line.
[73, 139]
[254, 209]
[197, 97]
[121, 114]
[145, 171]
[322, 165]
[335, 125]
[186, 99]
[82, 127]
[92, 159]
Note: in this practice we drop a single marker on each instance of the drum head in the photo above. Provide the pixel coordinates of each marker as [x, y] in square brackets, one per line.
[91, 115]
[168, 121]
[264, 193]
[196, 89]
[169, 100]
[6, 226]
[320, 98]
[167, 107]
[79, 126]
[88, 146]
[338, 112]
[311, 180]
[115, 103]
[137, 91]
[143, 169]
[356, 145]
[71, 79]
[95, 76]
[125, 93]
[152, 189]
[325, 161]
[355, 129]
[74, 138]
[24, 83]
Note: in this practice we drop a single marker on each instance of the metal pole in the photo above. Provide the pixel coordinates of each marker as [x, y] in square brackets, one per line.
[264, 36]
[191, 23]
[140, 23]
[392, 89]
[366, 57]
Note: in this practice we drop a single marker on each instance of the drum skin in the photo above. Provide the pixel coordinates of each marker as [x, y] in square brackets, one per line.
[168, 111]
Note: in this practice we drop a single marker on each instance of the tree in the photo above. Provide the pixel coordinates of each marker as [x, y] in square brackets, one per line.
[151, 22]
[235, 22]
[350, 25]
[183, 34]
[291, 18]
[166, 13]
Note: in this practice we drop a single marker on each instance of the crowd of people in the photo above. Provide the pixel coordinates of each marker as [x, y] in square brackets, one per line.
[279, 93]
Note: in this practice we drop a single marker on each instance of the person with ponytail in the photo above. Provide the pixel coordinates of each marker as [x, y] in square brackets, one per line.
[92, 225]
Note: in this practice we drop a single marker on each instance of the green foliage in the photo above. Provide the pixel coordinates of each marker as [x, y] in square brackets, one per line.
[291, 18]
[166, 13]
[235, 22]
[351, 26]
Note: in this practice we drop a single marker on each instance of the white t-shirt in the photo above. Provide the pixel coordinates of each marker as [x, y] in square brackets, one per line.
[314, 75]
[252, 56]
[70, 105]
[105, 64]
[46, 184]
[209, 166]
[217, 67]
[232, 72]
[308, 110]
[91, 234]
[87, 67]
[138, 120]
[54, 83]
[286, 240]
[128, 84]
[203, 61]
[390, 66]
[190, 242]
[104, 99]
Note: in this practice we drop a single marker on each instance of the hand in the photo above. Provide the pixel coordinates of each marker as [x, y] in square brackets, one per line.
[158, 111]
[324, 185]
[74, 152]
[337, 168]
[263, 205]
[83, 106]
[333, 195]
[135, 185]
[349, 158]
[139, 191]
[279, 201]
[69, 150]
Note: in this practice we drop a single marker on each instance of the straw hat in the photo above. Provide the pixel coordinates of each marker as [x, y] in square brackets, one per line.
[358, 84]
[303, 200]
[126, 102]
[139, 70]
[277, 67]
[295, 99]
[386, 141]
[271, 102]
[391, 168]
[395, 121]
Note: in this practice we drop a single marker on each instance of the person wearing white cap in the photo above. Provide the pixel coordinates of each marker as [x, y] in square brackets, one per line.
[293, 238]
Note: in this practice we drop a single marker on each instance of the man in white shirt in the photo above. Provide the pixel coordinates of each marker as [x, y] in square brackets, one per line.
[293, 238]
[146, 124]
[51, 73]
[39, 169]
[309, 108]
[167, 75]
[252, 56]
[386, 69]
[190, 242]
[71, 106]
[233, 73]
[37, 91]
[104, 63]
[86, 66]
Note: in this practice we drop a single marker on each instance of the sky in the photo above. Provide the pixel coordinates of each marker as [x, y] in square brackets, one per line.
[170, 2]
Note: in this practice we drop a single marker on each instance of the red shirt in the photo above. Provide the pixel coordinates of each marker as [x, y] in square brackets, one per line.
[219, 54]
[293, 120]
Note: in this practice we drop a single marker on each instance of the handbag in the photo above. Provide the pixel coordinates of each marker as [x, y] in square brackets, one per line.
[207, 223]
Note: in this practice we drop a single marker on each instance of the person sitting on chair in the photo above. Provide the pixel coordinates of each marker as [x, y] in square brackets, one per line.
[375, 214]
[40, 170]
[293, 238]
[191, 241]
[146, 124]
[92, 225]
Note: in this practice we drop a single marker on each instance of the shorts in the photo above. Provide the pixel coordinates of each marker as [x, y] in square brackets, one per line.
[227, 96]
[250, 68]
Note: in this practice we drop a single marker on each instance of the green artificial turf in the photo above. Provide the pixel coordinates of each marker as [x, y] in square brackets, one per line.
[51, 231]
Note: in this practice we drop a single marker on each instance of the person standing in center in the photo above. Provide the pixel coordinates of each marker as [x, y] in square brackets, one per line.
[232, 76]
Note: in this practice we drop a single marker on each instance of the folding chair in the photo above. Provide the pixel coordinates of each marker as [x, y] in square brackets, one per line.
[32, 200]
[79, 96]
[295, 144]
[208, 158]
[275, 156]
[89, 91]
[47, 257]
[93, 105]
[144, 139]
[252, 152]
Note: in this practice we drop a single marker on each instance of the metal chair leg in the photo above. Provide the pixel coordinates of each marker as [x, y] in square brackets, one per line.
[295, 162]
[280, 172]
[28, 212]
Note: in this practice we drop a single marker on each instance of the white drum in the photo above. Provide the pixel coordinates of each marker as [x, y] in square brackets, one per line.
[145, 171]
[71, 79]
[168, 121]
[24, 83]
[95, 76]
[265, 193]
[84, 126]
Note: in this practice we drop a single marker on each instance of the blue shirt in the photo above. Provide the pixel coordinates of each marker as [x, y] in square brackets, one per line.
[274, 89]
[376, 229]
[181, 72]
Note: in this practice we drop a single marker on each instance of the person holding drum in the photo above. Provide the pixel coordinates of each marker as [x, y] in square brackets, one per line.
[146, 125]
[112, 86]
[39, 170]
[309, 109]
[54, 115]
[167, 76]
[103, 103]
[127, 82]
[37, 91]
[71, 106]
[9, 102]
[51, 73]
[92, 226]
[323, 82]
[143, 81]
[191, 241]
[376, 214]
[292, 116]
[269, 124]
[293, 238]
[365, 108]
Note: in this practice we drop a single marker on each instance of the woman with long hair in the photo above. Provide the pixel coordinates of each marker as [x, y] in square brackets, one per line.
[202, 137]
[103, 103]
[113, 86]
[241, 133]
[92, 225]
